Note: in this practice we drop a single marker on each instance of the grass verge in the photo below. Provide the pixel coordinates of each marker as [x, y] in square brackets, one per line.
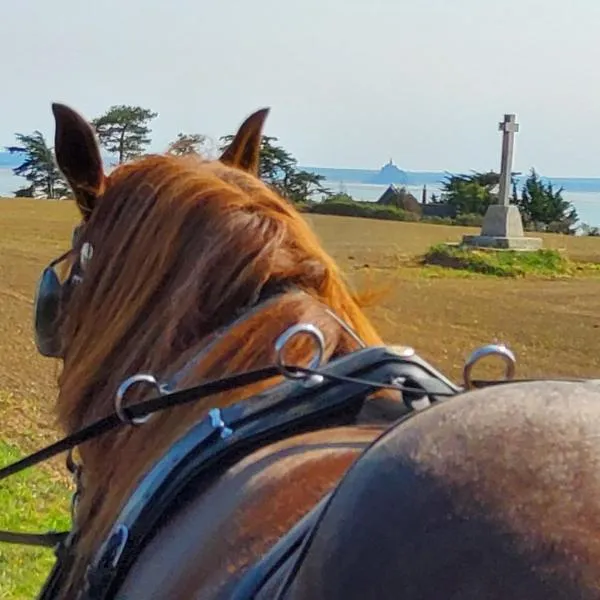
[30, 501]
[505, 263]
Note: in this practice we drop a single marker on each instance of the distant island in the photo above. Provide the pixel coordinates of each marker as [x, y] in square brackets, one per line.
[387, 175]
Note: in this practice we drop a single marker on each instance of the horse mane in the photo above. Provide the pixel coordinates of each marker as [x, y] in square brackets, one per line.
[180, 245]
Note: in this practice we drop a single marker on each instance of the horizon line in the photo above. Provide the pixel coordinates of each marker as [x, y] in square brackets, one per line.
[378, 170]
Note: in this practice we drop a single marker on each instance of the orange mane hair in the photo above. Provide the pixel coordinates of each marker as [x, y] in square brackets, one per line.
[181, 246]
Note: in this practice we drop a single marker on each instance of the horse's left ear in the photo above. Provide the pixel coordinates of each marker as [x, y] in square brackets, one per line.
[78, 157]
[244, 150]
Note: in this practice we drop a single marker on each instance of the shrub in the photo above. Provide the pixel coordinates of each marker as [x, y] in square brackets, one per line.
[366, 210]
[341, 197]
[469, 220]
[501, 263]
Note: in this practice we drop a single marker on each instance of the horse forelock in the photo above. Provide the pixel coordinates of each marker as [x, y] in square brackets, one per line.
[180, 246]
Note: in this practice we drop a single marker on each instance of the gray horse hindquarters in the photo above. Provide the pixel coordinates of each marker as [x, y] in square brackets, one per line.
[493, 494]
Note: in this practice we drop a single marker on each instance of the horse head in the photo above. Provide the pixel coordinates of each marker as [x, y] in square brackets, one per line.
[170, 250]
[170, 272]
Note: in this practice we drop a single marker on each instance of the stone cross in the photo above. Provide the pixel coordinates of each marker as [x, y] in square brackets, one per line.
[509, 127]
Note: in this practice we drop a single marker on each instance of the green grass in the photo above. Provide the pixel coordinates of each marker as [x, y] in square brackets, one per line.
[505, 263]
[31, 502]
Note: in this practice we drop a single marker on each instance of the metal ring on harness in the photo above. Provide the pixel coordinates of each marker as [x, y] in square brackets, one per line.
[122, 390]
[287, 335]
[489, 350]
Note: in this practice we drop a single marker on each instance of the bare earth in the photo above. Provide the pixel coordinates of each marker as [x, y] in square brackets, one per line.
[552, 325]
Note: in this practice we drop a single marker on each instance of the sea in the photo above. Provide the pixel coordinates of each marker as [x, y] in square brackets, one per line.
[583, 194]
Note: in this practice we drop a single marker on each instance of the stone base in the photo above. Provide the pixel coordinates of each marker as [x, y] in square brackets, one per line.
[502, 221]
[503, 243]
[503, 230]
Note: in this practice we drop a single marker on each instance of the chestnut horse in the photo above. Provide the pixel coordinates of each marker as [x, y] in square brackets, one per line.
[190, 270]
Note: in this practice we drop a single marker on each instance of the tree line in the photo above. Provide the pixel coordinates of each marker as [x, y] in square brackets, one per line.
[124, 133]
[542, 207]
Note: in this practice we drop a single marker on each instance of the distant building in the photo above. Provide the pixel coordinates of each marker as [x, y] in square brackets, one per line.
[400, 198]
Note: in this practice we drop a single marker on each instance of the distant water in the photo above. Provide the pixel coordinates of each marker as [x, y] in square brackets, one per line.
[587, 204]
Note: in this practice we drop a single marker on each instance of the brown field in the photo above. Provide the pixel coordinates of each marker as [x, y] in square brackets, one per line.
[553, 325]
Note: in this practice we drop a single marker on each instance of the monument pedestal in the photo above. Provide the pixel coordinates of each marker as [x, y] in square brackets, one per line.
[502, 243]
[503, 229]
[502, 221]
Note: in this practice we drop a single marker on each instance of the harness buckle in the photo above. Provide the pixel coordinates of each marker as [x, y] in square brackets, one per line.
[216, 421]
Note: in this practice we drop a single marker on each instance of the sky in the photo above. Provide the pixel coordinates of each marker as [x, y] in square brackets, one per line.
[350, 83]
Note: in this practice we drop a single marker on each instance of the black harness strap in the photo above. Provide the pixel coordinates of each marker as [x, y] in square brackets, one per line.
[52, 539]
[49, 539]
[437, 380]
[139, 410]
[290, 408]
[200, 457]
[198, 392]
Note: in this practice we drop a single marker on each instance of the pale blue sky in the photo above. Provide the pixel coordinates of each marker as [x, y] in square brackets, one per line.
[351, 83]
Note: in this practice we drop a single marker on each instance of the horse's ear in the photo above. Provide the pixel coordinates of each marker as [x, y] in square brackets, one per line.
[244, 150]
[78, 157]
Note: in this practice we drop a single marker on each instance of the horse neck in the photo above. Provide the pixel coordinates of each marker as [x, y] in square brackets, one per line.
[115, 463]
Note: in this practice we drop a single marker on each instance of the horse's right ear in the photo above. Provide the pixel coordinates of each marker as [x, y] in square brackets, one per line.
[78, 157]
[244, 150]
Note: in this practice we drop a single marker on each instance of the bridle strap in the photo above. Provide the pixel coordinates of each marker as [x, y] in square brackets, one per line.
[172, 399]
[49, 539]
[186, 396]
[139, 410]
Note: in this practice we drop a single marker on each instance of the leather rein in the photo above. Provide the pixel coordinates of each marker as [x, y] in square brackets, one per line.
[132, 415]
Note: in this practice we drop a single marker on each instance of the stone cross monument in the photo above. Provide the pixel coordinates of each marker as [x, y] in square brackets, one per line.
[502, 224]
[509, 127]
